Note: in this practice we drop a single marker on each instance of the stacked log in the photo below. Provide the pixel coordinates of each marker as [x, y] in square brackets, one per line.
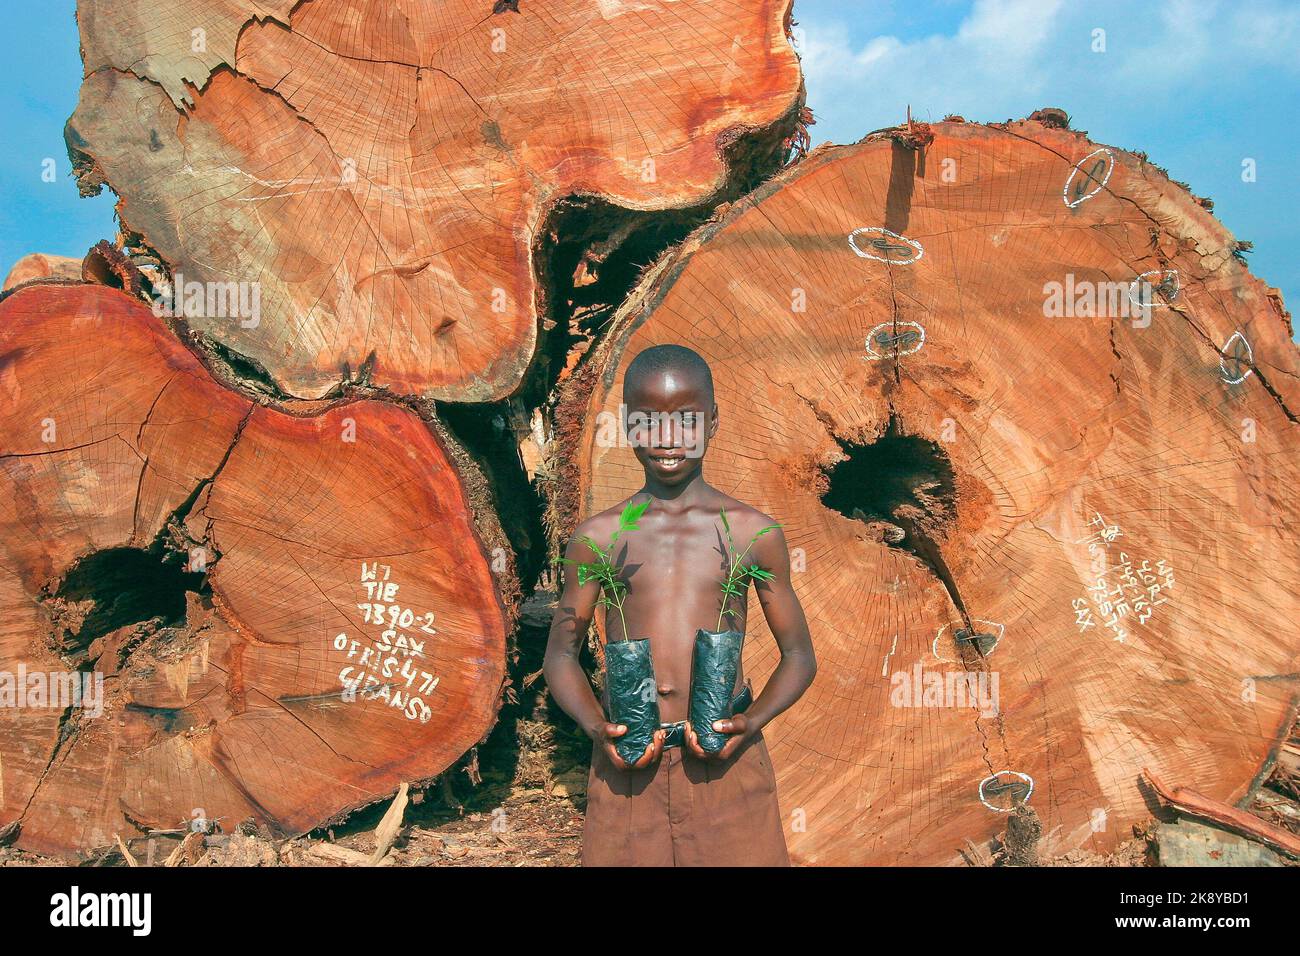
[933, 367]
[1028, 421]
[385, 171]
[228, 487]
[216, 609]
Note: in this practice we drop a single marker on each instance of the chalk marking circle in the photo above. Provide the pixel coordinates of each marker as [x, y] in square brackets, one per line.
[1250, 358]
[887, 328]
[883, 232]
[998, 629]
[1078, 168]
[994, 776]
[1165, 275]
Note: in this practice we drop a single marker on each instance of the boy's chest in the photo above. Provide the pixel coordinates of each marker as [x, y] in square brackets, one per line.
[674, 588]
[686, 565]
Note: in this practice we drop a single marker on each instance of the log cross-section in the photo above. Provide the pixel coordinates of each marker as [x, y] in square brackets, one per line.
[383, 169]
[269, 613]
[1030, 426]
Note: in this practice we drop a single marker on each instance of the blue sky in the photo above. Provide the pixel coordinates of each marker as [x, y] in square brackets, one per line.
[1197, 84]
[40, 73]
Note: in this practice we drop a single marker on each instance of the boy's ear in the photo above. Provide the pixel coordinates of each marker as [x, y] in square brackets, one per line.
[713, 420]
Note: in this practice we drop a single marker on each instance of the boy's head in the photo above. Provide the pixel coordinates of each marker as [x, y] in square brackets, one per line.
[670, 412]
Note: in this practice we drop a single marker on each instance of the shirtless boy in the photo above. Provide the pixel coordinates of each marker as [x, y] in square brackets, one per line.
[678, 805]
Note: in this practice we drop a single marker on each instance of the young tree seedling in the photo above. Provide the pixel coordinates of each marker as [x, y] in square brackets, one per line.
[613, 590]
[739, 574]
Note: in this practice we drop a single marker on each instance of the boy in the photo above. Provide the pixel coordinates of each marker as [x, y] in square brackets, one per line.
[678, 805]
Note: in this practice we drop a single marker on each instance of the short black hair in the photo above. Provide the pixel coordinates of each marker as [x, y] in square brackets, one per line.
[669, 358]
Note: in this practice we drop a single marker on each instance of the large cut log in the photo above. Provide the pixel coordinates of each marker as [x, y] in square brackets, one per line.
[292, 610]
[385, 170]
[40, 266]
[980, 472]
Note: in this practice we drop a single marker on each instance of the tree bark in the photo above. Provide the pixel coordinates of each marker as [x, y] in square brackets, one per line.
[1094, 508]
[385, 172]
[293, 608]
[1189, 801]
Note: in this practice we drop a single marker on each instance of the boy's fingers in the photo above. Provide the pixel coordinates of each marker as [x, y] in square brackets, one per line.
[615, 759]
[693, 742]
[648, 757]
[733, 725]
[645, 755]
[654, 749]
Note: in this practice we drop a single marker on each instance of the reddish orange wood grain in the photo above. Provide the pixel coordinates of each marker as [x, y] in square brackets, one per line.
[1050, 424]
[384, 169]
[238, 709]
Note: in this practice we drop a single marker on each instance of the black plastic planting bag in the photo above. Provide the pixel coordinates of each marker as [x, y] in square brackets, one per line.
[713, 678]
[633, 697]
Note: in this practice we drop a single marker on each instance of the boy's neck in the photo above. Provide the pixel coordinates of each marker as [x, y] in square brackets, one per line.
[685, 494]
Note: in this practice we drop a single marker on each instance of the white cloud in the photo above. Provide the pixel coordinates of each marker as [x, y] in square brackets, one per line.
[1009, 57]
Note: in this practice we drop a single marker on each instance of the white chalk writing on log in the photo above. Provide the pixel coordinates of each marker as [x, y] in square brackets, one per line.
[388, 667]
[1123, 593]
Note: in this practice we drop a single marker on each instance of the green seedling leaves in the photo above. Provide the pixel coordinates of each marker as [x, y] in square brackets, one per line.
[740, 574]
[631, 514]
[603, 570]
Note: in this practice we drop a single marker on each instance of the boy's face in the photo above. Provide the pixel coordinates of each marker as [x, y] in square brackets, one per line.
[670, 419]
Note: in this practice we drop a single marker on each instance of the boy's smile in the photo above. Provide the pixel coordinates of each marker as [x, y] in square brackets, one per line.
[668, 460]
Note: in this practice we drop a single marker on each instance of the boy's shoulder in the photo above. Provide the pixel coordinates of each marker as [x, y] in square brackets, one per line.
[602, 524]
[745, 520]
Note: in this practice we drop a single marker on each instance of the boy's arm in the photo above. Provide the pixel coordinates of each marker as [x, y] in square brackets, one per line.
[798, 663]
[565, 678]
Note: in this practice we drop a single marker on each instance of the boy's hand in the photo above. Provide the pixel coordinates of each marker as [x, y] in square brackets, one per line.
[607, 734]
[737, 726]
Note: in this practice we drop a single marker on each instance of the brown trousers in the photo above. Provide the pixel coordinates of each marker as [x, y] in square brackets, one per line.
[684, 811]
